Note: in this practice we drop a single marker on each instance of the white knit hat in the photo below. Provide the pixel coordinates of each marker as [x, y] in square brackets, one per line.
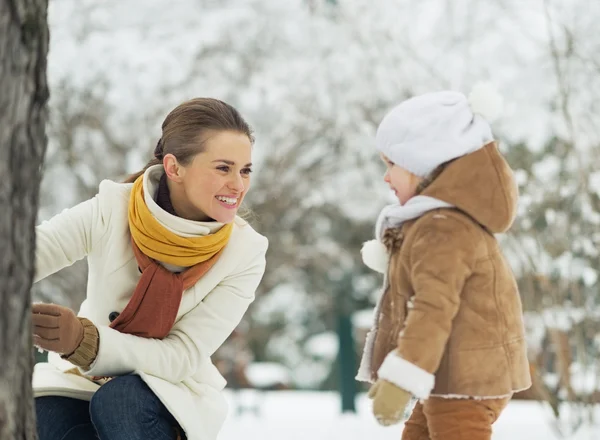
[428, 130]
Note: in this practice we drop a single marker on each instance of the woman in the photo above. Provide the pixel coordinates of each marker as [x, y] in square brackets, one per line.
[172, 270]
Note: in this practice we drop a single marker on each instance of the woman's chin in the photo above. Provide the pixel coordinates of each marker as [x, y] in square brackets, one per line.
[224, 217]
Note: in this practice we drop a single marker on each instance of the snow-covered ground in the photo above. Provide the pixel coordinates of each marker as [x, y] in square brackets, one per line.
[299, 415]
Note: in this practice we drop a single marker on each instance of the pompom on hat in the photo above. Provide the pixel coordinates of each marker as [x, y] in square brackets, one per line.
[426, 131]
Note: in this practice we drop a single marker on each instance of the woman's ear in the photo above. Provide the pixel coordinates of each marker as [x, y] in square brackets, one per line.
[173, 168]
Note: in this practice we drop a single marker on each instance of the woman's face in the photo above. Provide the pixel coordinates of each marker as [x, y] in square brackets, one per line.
[402, 182]
[214, 184]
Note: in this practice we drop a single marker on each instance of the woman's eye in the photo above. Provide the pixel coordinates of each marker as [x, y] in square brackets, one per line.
[223, 168]
[246, 171]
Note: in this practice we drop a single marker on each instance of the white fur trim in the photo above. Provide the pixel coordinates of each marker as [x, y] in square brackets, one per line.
[485, 100]
[407, 376]
[375, 256]
[464, 397]
[364, 371]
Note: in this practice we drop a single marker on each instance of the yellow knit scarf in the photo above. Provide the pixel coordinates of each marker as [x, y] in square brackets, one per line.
[161, 244]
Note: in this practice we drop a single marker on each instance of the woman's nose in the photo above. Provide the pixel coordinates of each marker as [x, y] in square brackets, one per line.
[237, 183]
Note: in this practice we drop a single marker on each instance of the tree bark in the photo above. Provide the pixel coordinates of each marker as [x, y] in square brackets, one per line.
[23, 116]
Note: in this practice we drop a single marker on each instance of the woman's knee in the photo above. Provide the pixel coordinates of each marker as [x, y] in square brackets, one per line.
[126, 404]
[118, 397]
[57, 416]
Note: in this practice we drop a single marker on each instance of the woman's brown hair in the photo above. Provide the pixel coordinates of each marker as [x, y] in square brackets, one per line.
[187, 126]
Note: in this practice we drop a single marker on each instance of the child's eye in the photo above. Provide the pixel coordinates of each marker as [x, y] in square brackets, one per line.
[223, 168]
[246, 171]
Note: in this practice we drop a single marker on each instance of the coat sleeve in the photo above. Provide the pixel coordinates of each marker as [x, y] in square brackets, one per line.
[195, 337]
[441, 259]
[69, 236]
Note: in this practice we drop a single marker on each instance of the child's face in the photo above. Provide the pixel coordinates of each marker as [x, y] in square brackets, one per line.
[402, 182]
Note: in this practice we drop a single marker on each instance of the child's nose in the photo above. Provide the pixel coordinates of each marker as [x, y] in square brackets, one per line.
[386, 177]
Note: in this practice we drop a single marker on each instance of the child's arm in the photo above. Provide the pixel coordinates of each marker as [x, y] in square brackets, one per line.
[442, 256]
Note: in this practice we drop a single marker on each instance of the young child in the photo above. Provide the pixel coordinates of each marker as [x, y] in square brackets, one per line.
[448, 327]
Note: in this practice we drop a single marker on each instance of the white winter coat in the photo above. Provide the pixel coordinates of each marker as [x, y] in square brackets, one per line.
[177, 368]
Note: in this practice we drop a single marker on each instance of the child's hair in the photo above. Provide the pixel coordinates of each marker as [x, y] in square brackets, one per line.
[431, 177]
[393, 237]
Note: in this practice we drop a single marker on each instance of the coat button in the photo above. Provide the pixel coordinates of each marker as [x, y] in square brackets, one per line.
[112, 316]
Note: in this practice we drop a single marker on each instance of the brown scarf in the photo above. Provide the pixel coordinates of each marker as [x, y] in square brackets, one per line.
[152, 310]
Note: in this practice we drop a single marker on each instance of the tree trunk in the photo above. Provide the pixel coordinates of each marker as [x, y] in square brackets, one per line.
[23, 115]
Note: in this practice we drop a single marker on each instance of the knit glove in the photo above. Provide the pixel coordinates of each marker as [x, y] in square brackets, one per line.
[56, 328]
[389, 402]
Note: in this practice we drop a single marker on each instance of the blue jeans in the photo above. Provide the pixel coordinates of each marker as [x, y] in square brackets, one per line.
[124, 408]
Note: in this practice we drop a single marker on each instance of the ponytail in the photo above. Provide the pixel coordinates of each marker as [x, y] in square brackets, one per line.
[133, 177]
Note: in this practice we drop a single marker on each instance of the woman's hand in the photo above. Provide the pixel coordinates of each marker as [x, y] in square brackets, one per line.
[56, 328]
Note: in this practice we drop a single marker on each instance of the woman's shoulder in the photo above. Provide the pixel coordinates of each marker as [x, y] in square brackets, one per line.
[115, 190]
[245, 234]
[113, 197]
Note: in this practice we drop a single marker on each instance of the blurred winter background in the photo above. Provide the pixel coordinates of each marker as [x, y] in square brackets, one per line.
[314, 77]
